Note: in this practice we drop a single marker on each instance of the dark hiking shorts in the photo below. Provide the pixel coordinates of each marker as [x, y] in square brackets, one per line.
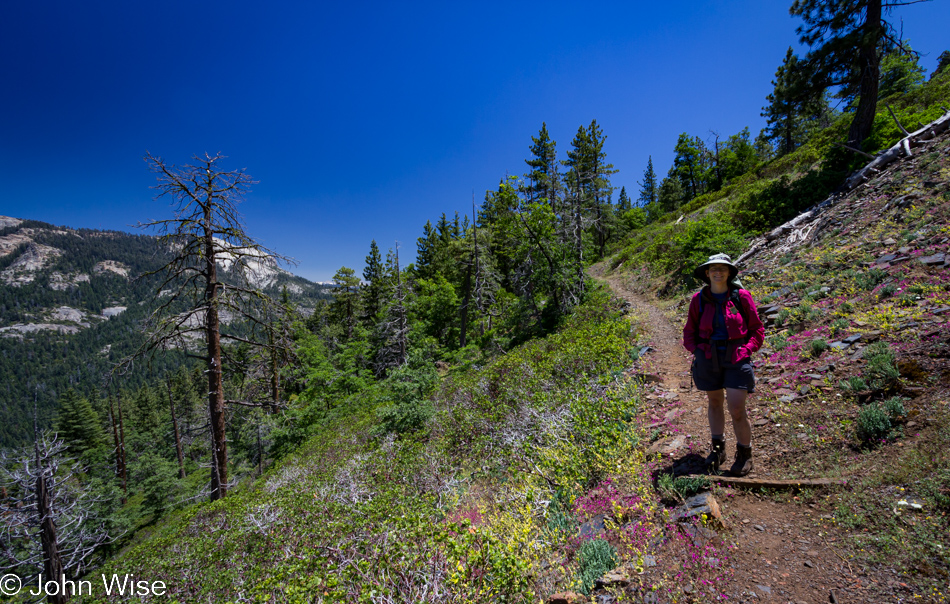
[716, 373]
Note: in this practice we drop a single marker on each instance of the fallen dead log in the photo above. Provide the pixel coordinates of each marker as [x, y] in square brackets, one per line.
[900, 149]
[757, 245]
[771, 483]
[790, 230]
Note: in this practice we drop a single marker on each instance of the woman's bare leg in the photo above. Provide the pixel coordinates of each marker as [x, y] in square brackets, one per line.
[716, 413]
[735, 398]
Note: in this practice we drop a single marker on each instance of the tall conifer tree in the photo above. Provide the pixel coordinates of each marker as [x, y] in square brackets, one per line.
[623, 201]
[372, 292]
[847, 39]
[649, 188]
[786, 107]
[544, 177]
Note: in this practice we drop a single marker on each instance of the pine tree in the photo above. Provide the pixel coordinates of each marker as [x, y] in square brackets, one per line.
[576, 179]
[943, 62]
[176, 430]
[788, 105]
[372, 293]
[544, 177]
[623, 202]
[847, 42]
[205, 232]
[670, 196]
[601, 190]
[588, 182]
[393, 332]
[346, 297]
[426, 247]
[51, 525]
[78, 423]
[691, 165]
[649, 191]
[443, 231]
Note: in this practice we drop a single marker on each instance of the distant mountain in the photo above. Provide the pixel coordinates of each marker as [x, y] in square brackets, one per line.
[71, 306]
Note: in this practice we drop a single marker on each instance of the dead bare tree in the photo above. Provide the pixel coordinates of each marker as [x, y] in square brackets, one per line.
[48, 524]
[208, 241]
[394, 330]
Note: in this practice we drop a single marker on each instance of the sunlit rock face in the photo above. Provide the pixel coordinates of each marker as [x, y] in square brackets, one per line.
[34, 258]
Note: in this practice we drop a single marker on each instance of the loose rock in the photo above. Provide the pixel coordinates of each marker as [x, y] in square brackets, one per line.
[696, 506]
[567, 597]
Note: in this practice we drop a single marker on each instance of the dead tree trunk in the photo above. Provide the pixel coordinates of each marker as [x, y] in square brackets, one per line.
[219, 445]
[402, 312]
[115, 436]
[870, 76]
[464, 308]
[124, 475]
[178, 449]
[52, 562]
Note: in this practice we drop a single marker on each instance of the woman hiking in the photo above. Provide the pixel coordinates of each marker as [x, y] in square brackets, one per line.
[722, 331]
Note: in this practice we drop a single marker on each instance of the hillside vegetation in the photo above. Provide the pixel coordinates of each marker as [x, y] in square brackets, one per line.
[490, 424]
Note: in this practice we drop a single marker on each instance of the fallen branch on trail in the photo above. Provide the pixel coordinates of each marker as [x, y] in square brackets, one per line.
[770, 483]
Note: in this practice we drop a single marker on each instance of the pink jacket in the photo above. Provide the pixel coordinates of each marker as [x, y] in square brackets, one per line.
[698, 328]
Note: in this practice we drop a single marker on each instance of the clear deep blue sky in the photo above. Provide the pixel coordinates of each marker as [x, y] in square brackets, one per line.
[361, 120]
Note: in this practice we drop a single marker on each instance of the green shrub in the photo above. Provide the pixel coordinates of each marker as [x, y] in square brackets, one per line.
[634, 218]
[404, 418]
[680, 487]
[854, 384]
[873, 424]
[779, 341]
[818, 346]
[595, 557]
[803, 314]
[881, 369]
[887, 291]
[560, 519]
[906, 300]
[784, 198]
[870, 279]
[894, 407]
[782, 317]
[879, 420]
[678, 248]
[838, 325]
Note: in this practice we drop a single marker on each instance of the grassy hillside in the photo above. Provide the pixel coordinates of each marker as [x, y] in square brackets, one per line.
[481, 504]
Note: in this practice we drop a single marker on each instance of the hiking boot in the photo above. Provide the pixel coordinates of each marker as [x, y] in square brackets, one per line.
[743, 462]
[717, 455]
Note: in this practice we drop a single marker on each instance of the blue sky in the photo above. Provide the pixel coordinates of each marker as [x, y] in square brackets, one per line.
[361, 120]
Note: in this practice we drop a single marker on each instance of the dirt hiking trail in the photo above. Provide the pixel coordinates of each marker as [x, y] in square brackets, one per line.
[787, 546]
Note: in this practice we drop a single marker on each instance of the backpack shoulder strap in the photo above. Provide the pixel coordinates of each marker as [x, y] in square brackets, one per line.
[737, 300]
